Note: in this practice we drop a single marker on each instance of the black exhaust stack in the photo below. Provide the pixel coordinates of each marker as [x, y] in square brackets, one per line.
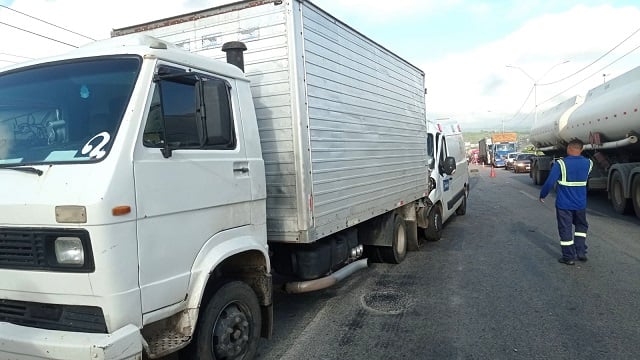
[234, 50]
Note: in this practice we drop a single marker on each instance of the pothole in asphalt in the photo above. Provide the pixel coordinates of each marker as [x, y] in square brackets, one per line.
[387, 301]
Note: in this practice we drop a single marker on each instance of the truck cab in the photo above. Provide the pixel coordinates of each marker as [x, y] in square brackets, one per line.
[449, 177]
[133, 201]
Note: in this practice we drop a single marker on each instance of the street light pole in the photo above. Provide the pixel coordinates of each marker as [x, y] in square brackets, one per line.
[535, 85]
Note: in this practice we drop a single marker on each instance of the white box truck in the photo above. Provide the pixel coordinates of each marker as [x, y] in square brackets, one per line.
[147, 191]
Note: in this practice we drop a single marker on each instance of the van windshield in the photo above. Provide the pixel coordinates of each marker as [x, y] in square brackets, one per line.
[65, 111]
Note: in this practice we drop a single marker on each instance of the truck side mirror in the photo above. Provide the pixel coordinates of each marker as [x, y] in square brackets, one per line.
[449, 166]
[430, 162]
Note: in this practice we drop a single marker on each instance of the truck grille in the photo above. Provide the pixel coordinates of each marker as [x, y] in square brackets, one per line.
[22, 249]
[87, 319]
[33, 249]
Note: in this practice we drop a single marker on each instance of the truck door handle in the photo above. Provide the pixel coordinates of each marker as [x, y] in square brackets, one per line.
[243, 170]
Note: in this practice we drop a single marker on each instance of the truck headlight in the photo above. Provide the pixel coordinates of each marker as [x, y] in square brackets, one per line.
[69, 251]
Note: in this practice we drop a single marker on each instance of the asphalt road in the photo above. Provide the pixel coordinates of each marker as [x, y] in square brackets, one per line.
[491, 288]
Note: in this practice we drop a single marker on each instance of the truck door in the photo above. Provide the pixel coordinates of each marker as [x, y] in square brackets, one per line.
[192, 180]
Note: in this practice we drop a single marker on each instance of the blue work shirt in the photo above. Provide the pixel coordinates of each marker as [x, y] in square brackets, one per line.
[569, 197]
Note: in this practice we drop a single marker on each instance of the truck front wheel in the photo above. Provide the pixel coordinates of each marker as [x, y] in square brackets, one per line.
[619, 202]
[635, 195]
[229, 325]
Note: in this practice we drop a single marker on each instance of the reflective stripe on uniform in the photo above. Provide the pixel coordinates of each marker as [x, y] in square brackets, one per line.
[563, 172]
[584, 235]
[566, 243]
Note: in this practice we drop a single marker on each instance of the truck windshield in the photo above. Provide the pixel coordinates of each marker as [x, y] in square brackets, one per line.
[505, 147]
[65, 111]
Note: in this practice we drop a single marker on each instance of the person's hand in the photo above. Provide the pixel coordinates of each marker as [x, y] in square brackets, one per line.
[542, 200]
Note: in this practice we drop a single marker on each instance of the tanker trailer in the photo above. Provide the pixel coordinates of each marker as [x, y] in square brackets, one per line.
[545, 136]
[608, 122]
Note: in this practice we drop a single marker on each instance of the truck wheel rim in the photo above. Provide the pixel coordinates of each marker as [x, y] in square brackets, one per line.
[231, 332]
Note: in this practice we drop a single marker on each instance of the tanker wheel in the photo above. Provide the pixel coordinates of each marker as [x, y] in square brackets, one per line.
[395, 253]
[635, 194]
[536, 175]
[620, 203]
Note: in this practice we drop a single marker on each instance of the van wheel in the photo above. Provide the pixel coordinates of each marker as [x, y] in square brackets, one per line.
[229, 325]
[434, 231]
[462, 209]
[619, 202]
[395, 253]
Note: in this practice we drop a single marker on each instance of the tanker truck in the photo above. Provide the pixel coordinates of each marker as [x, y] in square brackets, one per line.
[607, 121]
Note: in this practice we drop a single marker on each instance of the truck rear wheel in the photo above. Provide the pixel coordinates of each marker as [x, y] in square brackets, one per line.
[395, 253]
[229, 325]
[635, 195]
[620, 203]
[434, 231]
[536, 175]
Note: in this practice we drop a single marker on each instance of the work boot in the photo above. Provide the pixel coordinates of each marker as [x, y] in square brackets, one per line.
[566, 261]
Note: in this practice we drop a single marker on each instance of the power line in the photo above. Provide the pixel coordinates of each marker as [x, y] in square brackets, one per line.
[519, 112]
[31, 32]
[595, 73]
[48, 23]
[19, 56]
[594, 61]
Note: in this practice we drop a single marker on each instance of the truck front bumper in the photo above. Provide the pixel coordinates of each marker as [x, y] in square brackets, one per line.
[24, 343]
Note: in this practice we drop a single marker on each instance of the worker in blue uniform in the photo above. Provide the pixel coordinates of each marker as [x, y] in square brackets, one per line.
[570, 175]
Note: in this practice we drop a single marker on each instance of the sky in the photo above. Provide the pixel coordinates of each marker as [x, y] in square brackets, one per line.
[489, 65]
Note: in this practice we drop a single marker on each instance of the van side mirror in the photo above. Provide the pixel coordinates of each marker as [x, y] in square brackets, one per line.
[449, 166]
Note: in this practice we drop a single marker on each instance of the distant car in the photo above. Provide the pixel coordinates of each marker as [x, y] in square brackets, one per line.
[522, 163]
[511, 157]
[499, 162]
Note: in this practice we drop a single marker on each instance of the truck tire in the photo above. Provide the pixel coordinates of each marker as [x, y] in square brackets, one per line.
[434, 231]
[620, 203]
[395, 253]
[635, 195]
[229, 325]
[414, 238]
[462, 209]
[536, 175]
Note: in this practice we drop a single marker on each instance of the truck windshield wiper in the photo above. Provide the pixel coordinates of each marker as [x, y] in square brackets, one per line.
[27, 169]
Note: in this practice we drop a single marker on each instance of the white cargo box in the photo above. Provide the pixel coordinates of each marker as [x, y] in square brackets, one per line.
[341, 119]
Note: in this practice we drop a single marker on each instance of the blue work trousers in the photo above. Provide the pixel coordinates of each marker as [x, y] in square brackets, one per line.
[572, 240]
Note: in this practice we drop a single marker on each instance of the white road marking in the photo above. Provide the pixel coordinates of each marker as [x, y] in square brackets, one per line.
[529, 195]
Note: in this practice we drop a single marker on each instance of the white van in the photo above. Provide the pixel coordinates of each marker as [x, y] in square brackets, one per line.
[449, 176]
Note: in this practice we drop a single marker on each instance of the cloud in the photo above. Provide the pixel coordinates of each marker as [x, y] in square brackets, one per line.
[473, 85]
[477, 87]
[94, 19]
